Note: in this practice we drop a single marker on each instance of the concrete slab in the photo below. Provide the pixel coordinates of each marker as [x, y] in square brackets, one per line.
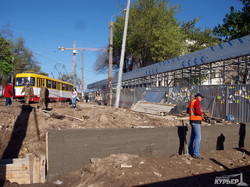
[69, 150]
[152, 108]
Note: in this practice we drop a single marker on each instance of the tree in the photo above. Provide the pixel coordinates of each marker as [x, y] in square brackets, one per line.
[65, 77]
[14, 56]
[19, 57]
[153, 35]
[5, 32]
[101, 64]
[23, 57]
[6, 65]
[236, 24]
[197, 39]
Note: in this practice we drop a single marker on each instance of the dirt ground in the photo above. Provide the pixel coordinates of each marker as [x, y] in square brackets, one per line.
[31, 125]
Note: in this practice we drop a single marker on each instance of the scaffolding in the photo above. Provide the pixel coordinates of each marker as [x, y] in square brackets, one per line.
[232, 71]
[226, 63]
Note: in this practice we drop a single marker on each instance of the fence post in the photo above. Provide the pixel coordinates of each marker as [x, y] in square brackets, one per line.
[226, 102]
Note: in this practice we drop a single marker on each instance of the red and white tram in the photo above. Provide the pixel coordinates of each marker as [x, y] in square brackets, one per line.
[58, 90]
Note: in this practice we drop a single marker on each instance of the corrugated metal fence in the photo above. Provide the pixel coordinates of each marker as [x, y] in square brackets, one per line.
[220, 100]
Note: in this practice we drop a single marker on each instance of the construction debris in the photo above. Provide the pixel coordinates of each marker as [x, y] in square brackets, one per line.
[126, 166]
[59, 116]
[153, 108]
[212, 120]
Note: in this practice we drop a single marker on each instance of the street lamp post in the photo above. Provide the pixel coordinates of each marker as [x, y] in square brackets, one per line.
[82, 81]
[74, 65]
[118, 92]
[110, 74]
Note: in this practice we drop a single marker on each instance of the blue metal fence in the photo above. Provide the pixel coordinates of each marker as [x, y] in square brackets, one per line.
[220, 100]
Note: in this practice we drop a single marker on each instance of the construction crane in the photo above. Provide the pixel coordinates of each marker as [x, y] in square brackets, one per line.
[75, 51]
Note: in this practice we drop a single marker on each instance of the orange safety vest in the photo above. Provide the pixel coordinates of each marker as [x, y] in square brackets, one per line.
[191, 111]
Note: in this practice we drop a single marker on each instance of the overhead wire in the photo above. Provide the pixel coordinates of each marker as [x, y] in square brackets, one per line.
[53, 34]
[86, 70]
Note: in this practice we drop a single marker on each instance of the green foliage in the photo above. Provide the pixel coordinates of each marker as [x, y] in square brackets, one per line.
[197, 39]
[101, 65]
[236, 24]
[153, 34]
[5, 57]
[198, 80]
[14, 56]
[23, 57]
[65, 77]
[5, 32]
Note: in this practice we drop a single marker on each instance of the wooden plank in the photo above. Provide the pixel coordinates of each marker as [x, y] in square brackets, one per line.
[24, 171]
[15, 175]
[31, 161]
[14, 161]
[21, 180]
[36, 170]
[42, 168]
[14, 167]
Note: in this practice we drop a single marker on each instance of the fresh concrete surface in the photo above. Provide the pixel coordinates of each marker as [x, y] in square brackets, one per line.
[69, 150]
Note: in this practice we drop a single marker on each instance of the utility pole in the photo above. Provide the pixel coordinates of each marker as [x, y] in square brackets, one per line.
[75, 50]
[110, 76]
[119, 83]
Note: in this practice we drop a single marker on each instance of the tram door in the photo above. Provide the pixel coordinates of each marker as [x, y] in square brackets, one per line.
[40, 82]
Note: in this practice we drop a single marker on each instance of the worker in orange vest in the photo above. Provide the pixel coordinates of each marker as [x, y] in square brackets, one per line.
[195, 117]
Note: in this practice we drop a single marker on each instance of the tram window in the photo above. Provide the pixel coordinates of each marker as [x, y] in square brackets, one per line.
[21, 81]
[57, 85]
[32, 81]
[54, 84]
[39, 82]
[63, 86]
[48, 83]
[69, 87]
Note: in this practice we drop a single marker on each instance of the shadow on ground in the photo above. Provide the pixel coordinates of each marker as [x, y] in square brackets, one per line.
[209, 179]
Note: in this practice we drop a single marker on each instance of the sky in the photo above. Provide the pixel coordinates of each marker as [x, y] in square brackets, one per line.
[47, 24]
